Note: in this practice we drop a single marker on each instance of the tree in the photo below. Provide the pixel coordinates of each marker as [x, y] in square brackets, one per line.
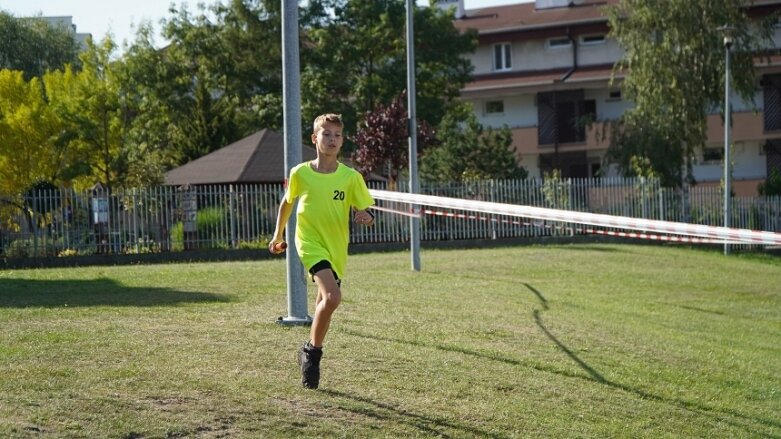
[468, 151]
[148, 93]
[220, 78]
[29, 131]
[358, 60]
[33, 46]
[675, 65]
[205, 104]
[88, 102]
[771, 186]
[382, 140]
[29, 140]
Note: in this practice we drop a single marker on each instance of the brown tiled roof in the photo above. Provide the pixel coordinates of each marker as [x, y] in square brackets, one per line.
[539, 79]
[548, 79]
[257, 158]
[525, 17]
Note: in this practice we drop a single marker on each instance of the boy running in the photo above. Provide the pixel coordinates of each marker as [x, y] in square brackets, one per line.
[327, 191]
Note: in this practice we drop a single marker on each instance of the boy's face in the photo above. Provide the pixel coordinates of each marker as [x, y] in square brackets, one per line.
[328, 139]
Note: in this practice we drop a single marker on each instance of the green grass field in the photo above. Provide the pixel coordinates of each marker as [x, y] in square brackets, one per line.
[567, 341]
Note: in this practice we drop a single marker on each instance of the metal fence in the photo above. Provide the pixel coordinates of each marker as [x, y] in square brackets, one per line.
[168, 219]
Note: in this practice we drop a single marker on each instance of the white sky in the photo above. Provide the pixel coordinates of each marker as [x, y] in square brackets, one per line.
[121, 17]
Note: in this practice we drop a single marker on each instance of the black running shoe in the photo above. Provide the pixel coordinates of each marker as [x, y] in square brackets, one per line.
[309, 360]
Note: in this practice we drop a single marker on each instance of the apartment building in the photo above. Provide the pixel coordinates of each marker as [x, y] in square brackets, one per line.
[544, 69]
[66, 22]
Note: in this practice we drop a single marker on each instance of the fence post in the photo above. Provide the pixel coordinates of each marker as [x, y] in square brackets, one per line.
[232, 216]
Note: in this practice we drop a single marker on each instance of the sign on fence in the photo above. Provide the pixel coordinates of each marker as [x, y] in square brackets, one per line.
[100, 217]
[188, 214]
[99, 210]
[189, 210]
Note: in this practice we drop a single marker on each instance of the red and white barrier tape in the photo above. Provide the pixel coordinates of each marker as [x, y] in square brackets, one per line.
[651, 237]
[712, 233]
[400, 212]
[665, 238]
[584, 230]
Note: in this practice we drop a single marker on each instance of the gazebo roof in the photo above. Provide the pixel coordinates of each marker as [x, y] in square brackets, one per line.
[257, 158]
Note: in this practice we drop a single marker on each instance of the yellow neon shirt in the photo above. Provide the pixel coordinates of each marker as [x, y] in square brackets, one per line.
[323, 215]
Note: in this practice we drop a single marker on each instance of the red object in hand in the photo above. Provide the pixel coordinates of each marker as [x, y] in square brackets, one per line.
[280, 247]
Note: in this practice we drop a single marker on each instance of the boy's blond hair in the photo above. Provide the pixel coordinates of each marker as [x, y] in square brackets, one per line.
[328, 117]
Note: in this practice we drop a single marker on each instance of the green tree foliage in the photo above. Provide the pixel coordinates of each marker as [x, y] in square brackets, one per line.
[675, 64]
[29, 131]
[33, 46]
[71, 128]
[30, 141]
[124, 122]
[148, 93]
[219, 79]
[358, 60]
[383, 140]
[205, 104]
[468, 151]
[97, 118]
[771, 186]
[89, 104]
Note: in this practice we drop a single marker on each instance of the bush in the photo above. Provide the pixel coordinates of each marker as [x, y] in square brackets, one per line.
[28, 247]
[771, 186]
[144, 246]
[177, 237]
[67, 252]
[207, 223]
[258, 244]
[21, 248]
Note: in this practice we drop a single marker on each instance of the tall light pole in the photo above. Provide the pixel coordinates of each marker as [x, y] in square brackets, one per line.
[728, 32]
[414, 184]
[291, 91]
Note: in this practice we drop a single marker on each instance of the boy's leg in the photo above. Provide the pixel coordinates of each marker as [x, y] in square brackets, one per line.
[329, 295]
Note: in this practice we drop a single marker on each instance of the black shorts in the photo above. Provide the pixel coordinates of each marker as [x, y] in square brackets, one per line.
[322, 265]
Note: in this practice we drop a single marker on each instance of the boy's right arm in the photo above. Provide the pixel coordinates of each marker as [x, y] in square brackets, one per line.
[285, 209]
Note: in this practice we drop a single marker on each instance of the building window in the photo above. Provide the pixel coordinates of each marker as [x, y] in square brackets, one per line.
[494, 107]
[558, 43]
[502, 57]
[596, 170]
[562, 116]
[590, 40]
[712, 156]
[771, 90]
[614, 95]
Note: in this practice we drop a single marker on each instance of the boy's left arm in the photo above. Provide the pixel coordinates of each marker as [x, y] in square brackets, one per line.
[365, 217]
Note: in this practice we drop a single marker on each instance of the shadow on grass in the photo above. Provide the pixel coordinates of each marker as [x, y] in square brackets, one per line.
[24, 293]
[429, 426]
[707, 311]
[728, 416]
[596, 376]
[591, 247]
[539, 295]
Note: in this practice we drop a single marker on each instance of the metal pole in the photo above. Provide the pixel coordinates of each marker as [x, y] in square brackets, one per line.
[727, 137]
[414, 185]
[291, 88]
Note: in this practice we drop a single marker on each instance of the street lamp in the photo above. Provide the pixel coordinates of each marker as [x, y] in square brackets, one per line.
[729, 39]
